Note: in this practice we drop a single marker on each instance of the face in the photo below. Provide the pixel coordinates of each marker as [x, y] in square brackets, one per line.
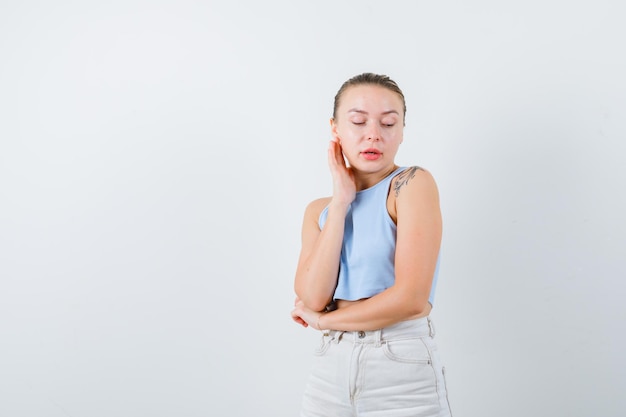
[369, 124]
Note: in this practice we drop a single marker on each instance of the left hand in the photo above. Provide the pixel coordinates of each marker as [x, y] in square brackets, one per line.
[305, 316]
[344, 186]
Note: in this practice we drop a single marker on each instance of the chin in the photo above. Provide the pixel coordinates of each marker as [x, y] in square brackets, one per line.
[370, 167]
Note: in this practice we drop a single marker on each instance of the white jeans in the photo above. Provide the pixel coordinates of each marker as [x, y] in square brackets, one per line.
[392, 372]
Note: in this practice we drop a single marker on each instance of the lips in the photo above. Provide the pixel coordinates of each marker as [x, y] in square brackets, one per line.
[371, 153]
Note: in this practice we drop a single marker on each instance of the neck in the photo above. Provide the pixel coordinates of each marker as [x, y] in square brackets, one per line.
[366, 180]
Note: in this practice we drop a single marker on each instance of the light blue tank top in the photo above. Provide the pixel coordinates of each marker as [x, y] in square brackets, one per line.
[369, 245]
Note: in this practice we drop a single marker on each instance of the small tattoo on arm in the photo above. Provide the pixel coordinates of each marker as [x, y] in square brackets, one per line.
[404, 177]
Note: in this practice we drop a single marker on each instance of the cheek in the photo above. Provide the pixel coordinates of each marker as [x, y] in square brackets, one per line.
[394, 136]
[346, 135]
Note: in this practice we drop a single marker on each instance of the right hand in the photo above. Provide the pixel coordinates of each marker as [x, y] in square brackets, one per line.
[305, 316]
[295, 317]
[344, 186]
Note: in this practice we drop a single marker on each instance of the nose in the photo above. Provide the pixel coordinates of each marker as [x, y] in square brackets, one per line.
[373, 133]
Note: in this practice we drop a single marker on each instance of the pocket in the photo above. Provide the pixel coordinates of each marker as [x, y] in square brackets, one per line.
[323, 346]
[407, 351]
[407, 369]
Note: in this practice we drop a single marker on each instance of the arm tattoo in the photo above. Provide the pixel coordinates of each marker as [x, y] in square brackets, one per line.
[404, 177]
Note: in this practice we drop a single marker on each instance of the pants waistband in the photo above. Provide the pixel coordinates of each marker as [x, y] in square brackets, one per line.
[408, 329]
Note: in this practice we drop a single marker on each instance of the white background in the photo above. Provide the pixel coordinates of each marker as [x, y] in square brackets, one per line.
[156, 158]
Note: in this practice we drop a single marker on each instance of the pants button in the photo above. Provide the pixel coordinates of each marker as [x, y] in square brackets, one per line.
[361, 335]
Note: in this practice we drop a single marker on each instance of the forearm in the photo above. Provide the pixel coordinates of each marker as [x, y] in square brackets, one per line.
[388, 307]
[316, 277]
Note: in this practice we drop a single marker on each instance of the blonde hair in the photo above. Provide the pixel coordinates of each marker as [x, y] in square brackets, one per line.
[369, 78]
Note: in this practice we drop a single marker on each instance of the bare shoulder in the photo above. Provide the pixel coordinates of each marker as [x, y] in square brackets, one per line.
[414, 198]
[413, 180]
[315, 207]
[412, 191]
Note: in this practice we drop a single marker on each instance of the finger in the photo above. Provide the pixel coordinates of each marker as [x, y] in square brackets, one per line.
[333, 161]
[295, 317]
[341, 156]
[338, 160]
[339, 153]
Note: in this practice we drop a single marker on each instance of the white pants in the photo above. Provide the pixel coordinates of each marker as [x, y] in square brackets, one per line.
[392, 372]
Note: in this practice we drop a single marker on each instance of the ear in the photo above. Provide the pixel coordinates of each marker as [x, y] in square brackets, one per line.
[333, 129]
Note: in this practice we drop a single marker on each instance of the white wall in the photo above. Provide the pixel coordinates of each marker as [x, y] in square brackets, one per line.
[156, 158]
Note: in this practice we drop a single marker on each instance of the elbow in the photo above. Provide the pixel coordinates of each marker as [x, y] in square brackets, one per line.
[418, 308]
[318, 306]
[315, 303]
[413, 305]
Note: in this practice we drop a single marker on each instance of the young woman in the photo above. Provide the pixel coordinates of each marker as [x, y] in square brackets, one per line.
[368, 265]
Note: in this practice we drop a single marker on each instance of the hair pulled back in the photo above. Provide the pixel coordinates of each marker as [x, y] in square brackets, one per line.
[369, 78]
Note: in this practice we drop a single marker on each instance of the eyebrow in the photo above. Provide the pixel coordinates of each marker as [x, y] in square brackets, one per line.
[355, 110]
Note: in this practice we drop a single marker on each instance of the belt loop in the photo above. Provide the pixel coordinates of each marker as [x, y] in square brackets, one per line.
[378, 337]
[431, 327]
